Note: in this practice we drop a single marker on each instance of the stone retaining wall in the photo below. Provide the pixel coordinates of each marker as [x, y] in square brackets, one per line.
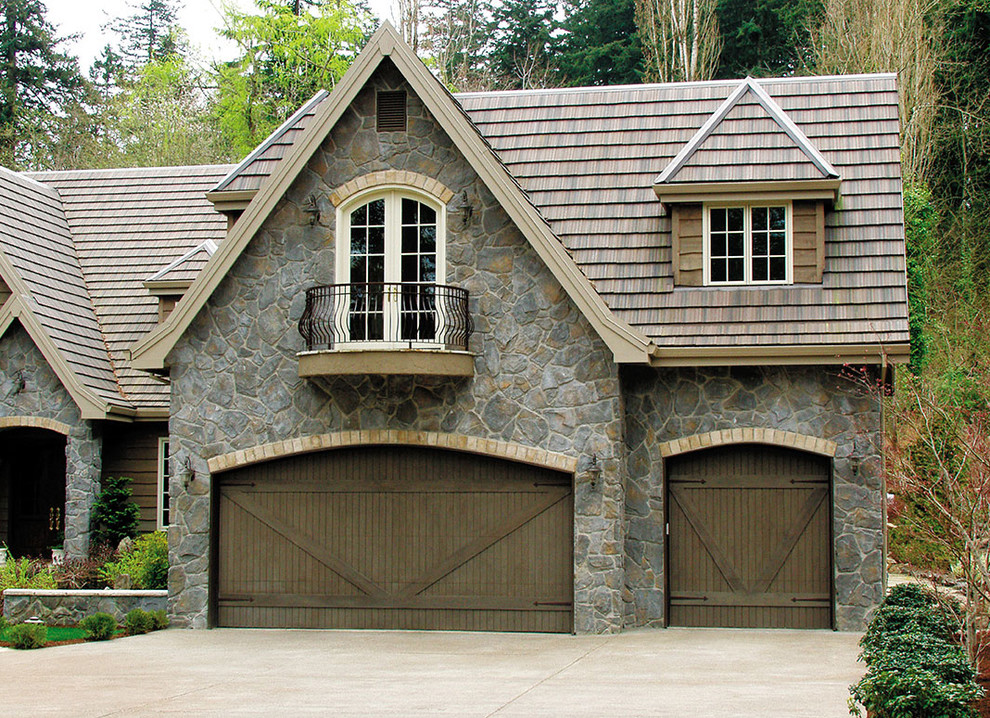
[67, 608]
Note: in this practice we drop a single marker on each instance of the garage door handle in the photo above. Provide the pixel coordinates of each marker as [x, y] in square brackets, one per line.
[689, 598]
[236, 599]
[795, 599]
[552, 603]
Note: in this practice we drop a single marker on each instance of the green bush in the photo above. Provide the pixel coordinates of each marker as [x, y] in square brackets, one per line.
[138, 621]
[159, 620]
[146, 563]
[25, 573]
[115, 516]
[28, 635]
[916, 669]
[99, 626]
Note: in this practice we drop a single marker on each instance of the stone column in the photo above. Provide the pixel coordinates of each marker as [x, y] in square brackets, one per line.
[189, 539]
[83, 464]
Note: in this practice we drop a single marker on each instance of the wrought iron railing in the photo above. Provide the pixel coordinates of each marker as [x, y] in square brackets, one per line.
[413, 314]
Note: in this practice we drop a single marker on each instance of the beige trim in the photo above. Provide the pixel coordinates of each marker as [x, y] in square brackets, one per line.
[421, 362]
[791, 355]
[371, 437]
[153, 415]
[403, 178]
[34, 422]
[231, 200]
[626, 343]
[748, 435]
[168, 289]
[737, 191]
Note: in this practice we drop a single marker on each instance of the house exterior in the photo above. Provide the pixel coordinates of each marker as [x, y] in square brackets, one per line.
[557, 360]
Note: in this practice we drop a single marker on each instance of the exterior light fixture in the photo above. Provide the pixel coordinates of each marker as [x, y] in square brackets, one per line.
[465, 208]
[594, 471]
[312, 209]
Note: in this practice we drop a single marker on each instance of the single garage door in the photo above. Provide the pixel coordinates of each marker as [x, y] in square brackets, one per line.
[394, 537]
[749, 538]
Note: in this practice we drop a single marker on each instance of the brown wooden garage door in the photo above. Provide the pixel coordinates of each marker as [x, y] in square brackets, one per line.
[394, 537]
[749, 542]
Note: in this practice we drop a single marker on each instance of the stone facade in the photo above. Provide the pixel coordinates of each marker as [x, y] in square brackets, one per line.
[543, 378]
[29, 388]
[667, 404]
[67, 608]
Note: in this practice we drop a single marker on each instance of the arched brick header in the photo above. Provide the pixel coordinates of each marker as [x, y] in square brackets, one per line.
[340, 439]
[749, 435]
[391, 177]
[34, 422]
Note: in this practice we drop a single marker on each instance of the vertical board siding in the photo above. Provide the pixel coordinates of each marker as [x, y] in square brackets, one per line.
[131, 450]
[395, 537]
[689, 243]
[749, 539]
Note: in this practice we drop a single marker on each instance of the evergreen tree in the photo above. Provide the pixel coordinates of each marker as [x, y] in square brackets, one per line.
[602, 45]
[765, 38]
[37, 80]
[151, 32]
[525, 43]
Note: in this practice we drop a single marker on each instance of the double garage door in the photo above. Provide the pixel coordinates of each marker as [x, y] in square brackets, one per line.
[394, 537]
[749, 539]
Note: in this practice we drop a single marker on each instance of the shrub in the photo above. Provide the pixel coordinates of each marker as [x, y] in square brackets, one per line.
[74, 573]
[137, 621]
[159, 620]
[146, 563]
[115, 516]
[99, 626]
[28, 635]
[915, 666]
[4, 624]
[24, 573]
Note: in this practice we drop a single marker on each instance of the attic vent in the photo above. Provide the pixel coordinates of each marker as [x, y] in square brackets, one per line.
[392, 111]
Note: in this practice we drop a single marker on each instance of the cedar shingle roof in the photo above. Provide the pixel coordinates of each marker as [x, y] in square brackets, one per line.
[128, 224]
[36, 240]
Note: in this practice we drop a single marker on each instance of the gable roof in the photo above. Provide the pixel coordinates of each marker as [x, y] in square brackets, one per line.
[125, 225]
[626, 343]
[589, 158]
[39, 263]
[180, 273]
[748, 138]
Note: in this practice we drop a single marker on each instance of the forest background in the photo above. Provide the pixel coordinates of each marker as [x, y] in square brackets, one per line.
[148, 101]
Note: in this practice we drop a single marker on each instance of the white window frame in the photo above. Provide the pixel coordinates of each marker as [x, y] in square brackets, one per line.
[164, 475]
[748, 243]
[393, 195]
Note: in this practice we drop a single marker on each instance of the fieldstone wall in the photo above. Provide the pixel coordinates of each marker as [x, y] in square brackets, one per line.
[666, 404]
[542, 377]
[67, 608]
[29, 387]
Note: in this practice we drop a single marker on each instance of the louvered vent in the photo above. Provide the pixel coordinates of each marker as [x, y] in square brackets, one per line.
[392, 111]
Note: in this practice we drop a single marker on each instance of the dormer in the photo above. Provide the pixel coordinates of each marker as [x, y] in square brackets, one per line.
[747, 197]
[171, 282]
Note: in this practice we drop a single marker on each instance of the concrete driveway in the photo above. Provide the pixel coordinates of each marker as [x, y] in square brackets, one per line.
[677, 672]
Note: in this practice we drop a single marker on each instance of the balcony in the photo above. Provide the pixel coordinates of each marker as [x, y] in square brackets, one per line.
[386, 328]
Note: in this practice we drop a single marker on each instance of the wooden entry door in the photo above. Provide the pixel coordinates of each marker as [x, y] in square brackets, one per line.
[32, 490]
[749, 541]
[395, 537]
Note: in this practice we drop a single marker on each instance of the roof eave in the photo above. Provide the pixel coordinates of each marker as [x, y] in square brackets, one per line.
[826, 189]
[810, 354]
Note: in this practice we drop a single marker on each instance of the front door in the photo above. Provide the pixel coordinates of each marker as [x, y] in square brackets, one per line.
[32, 470]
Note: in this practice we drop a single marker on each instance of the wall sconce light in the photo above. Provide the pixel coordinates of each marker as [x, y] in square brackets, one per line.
[20, 383]
[594, 471]
[465, 208]
[854, 465]
[188, 470]
[312, 209]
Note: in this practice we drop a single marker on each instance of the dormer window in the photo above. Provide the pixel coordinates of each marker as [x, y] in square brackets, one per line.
[747, 244]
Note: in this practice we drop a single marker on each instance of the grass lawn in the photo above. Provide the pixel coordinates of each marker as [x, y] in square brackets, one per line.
[58, 636]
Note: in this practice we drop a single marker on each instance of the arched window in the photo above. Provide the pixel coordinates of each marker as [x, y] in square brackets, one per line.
[390, 251]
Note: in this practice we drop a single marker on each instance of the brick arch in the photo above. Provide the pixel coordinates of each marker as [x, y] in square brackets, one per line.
[34, 422]
[749, 435]
[391, 178]
[340, 439]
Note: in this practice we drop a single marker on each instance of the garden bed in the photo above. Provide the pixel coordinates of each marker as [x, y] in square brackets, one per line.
[58, 636]
[60, 607]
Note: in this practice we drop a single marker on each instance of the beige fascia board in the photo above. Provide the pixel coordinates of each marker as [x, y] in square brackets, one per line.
[826, 189]
[404, 362]
[231, 200]
[782, 355]
[149, 352]
[627, 344]
[167, 289]
[155, 414]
